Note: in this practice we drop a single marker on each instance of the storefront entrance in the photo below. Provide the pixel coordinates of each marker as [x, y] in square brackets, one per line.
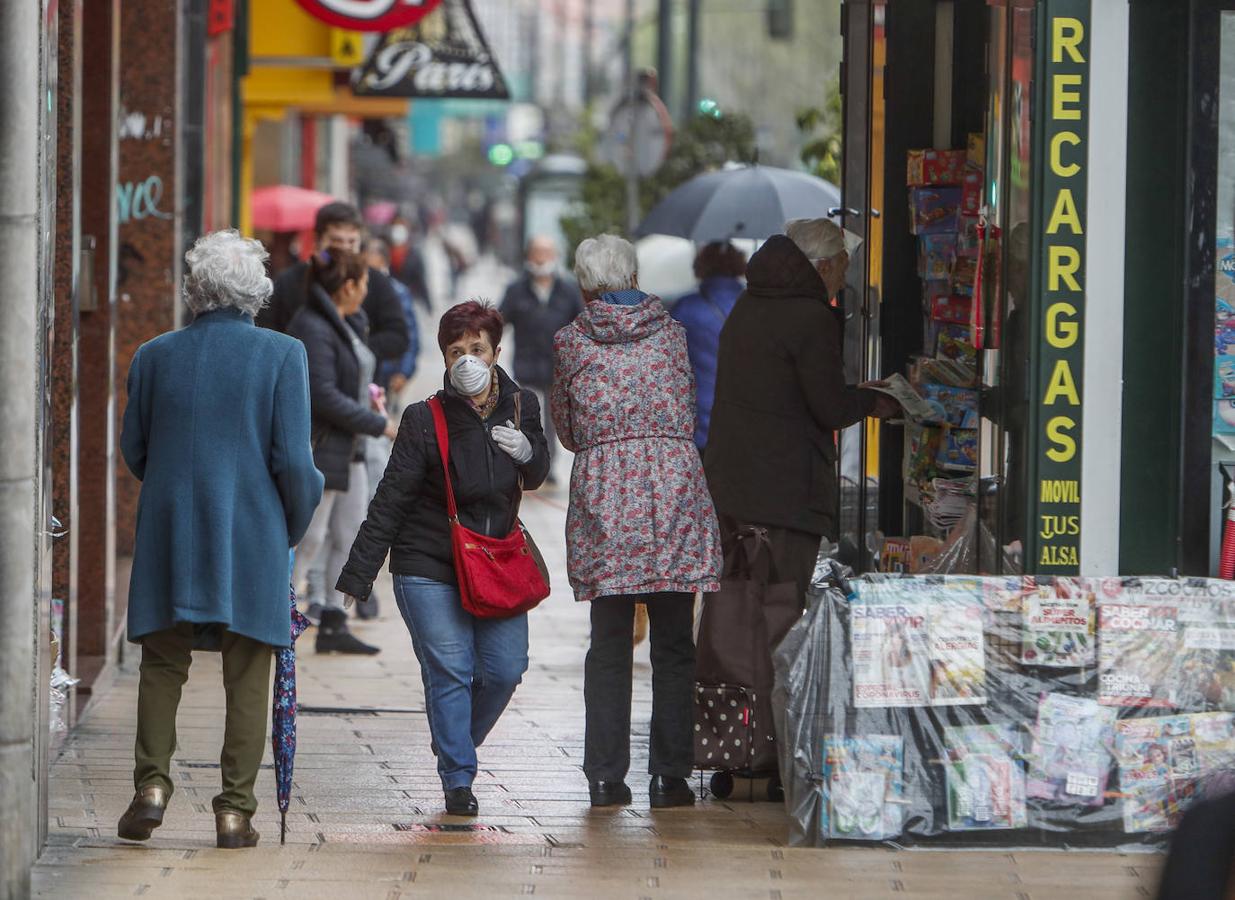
[937, 180]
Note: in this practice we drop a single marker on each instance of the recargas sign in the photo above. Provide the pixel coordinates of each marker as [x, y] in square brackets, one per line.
[1059, 312]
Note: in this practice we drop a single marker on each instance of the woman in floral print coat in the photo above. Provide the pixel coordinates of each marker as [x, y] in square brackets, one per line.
[641, 527]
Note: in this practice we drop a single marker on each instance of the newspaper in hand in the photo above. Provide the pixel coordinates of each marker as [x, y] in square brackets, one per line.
[896, 387]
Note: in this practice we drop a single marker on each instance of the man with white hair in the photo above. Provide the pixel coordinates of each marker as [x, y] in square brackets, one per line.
[216, 428]
[781, 396]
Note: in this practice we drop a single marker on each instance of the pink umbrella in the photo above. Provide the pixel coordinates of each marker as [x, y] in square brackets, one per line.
[285, 207]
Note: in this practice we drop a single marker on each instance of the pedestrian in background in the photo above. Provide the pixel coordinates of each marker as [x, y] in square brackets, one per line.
[470, 666]
[394, 374]
[538, 304]
[338, 226]
[781, 396]
[333, 327]
[719, 266]
[217, 431]
[641, 527]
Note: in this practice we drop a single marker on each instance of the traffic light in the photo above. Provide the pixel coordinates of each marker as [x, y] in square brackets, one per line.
[501, 154]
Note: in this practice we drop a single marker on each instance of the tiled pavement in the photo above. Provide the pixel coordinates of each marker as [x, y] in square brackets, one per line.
[366, 817]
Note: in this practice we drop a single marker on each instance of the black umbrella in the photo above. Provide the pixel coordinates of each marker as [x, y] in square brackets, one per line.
[741, 202]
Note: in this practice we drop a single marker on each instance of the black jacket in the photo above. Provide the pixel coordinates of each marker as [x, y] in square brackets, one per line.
[388, 336]
[408, 514]
[536, 323]
[780, 395]
[334, 387]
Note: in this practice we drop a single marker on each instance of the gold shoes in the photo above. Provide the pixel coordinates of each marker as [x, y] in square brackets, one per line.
[145, 813]
[234, 831]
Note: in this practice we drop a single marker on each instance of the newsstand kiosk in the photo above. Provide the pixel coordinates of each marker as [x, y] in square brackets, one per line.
[955, 679]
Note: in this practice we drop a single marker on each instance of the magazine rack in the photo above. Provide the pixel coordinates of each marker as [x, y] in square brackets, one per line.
[1008, 712]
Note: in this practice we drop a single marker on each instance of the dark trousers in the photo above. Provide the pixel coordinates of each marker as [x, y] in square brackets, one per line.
[794, 553]
[607, 686]
[166, 657]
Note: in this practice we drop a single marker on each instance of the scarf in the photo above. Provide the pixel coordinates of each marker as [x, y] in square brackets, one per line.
[486, 409]
[628, 297]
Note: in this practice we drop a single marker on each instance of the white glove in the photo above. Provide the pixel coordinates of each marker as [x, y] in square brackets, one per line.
[513, 442]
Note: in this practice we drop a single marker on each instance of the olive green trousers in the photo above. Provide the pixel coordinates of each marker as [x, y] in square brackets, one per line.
[166, 657]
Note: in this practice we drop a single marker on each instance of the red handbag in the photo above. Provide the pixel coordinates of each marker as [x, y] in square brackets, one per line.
[498, 577]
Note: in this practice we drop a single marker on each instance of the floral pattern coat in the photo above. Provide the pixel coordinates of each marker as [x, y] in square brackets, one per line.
[623, 400]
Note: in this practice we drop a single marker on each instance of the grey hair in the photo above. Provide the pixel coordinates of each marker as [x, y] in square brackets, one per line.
[606, 263]
[226, 271]
[817, 238]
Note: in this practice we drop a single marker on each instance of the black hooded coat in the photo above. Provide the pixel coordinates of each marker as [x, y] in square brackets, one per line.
[780, 397]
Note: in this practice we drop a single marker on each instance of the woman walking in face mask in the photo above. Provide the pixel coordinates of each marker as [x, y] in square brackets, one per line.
[470, 666]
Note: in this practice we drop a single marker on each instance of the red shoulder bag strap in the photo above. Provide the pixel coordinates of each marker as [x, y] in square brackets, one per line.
[443, 448]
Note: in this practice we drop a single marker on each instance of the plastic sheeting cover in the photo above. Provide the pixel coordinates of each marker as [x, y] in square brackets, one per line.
[1009, 712]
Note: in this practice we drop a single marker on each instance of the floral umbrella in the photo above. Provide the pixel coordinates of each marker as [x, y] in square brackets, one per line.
[283, 716]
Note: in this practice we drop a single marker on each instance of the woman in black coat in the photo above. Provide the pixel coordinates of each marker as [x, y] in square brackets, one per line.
[470, 666]
[341, 368]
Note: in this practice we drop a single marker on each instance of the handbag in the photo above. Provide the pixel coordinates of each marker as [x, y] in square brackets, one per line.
[739, 627]
[498, 576]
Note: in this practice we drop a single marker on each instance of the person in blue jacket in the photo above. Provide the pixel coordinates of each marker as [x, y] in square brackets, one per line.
[216, 428]
[719, 266]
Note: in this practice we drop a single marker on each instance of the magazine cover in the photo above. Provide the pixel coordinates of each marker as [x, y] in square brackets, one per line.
[1151, 802]
[917, 654]
[985, 778]
[890, 648]
[1204, 676]
[958, 654]
[1138, 645]
[864, 786]
[1071, 757]
[1058, 632]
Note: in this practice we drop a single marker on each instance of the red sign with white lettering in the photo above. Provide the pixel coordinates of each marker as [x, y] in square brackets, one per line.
[369, 15]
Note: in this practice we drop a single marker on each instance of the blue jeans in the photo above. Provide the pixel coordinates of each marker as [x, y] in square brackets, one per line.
[470, 669]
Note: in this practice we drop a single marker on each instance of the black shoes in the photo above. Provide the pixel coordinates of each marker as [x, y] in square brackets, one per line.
[144, 814]
[665, 792]
[333, 636]
[609, 793]
[461, 802]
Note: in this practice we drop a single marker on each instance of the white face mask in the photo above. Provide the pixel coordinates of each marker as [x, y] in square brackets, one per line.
[470, 376]
[399, 234]
[542, 270]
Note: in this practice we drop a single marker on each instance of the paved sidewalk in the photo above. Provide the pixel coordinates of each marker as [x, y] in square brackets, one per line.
[366, 817]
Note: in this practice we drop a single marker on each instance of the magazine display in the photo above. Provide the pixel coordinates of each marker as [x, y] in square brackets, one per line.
[864, 786]
[1058, 631]
[985, 778]
[1071, 757]
[1138, 648]
[1010, 711]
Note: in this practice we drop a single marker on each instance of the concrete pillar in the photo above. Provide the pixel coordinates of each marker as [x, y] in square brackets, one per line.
[20, 41]
[96, 517]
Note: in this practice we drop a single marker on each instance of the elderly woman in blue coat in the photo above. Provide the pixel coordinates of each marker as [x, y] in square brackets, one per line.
[217, 430]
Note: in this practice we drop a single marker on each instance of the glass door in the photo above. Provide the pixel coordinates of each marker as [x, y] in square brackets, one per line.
[862, 85]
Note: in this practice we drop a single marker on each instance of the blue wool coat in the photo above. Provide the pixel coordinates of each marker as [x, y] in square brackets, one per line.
[217, 430]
